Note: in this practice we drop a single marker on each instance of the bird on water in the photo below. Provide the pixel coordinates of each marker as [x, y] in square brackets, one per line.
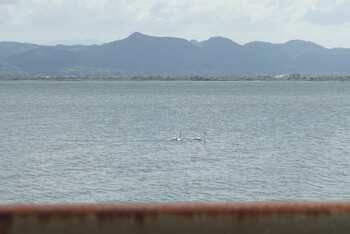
[179, 138]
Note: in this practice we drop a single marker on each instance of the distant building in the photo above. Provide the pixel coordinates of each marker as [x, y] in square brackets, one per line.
[284, 76]
[288, 76]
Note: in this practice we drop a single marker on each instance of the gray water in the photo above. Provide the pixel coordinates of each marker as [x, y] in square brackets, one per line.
[108, 142]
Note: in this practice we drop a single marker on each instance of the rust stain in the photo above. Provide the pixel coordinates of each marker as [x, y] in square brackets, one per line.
[266, 208]
[105, 214]
[126, 214]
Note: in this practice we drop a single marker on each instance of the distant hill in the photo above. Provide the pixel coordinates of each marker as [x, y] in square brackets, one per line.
[11, 48]
[141, 54]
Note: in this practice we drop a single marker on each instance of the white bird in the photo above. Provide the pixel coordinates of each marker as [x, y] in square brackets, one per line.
[180, 138]
[204, 138]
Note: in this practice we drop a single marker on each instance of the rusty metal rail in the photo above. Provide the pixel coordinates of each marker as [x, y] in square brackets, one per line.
[269, 218]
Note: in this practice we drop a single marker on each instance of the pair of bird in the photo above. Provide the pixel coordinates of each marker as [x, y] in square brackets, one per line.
[181, 138]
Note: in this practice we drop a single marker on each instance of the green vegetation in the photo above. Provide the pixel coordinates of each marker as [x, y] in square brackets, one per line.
[168, 78]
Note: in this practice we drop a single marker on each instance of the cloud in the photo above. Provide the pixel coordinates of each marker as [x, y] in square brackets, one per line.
[8, 2]
[327, 12]
[107, 20]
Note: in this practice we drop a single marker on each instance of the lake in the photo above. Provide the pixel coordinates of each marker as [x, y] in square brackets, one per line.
[108, 142]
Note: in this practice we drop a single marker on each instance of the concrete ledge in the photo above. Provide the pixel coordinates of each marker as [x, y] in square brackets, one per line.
[296, 218]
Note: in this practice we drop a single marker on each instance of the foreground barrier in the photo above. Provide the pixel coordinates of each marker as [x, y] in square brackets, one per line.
[269, 218]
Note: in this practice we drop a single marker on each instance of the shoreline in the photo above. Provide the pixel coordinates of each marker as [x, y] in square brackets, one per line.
[173, 79]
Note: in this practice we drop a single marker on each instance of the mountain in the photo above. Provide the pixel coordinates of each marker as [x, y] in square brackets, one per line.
[146, 55]
[141, 54]
[11, 48]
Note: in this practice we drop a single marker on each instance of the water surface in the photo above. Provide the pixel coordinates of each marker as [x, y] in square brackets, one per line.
[107, 142]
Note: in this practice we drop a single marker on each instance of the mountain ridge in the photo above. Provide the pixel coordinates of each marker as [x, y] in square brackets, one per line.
[140, 54]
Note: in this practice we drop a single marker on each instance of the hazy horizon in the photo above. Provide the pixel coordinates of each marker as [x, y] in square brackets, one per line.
[97, 42]
[325, 22]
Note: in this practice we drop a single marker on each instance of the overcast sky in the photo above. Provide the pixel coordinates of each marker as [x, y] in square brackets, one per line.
[326, 22]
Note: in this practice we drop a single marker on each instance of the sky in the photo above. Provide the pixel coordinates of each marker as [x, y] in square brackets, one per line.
[325, 22]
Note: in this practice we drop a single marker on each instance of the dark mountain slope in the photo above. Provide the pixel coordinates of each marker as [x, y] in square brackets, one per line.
[44, 60]
[140, 54]
[10, 48]
[146, 54]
